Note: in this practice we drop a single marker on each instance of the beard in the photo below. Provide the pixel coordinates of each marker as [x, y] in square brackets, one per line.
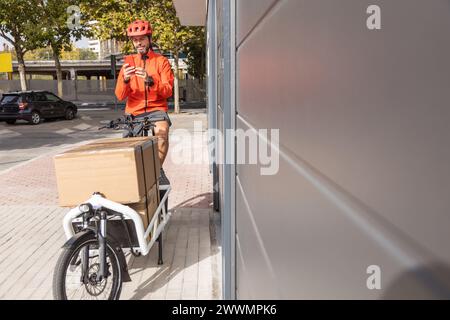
[142, 49]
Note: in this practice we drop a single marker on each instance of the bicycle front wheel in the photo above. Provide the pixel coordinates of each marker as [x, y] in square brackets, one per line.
[76, 271]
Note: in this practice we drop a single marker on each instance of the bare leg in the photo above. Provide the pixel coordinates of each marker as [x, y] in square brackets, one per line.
[162, 132]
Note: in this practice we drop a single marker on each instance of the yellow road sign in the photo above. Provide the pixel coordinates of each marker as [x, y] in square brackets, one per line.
[6, 62]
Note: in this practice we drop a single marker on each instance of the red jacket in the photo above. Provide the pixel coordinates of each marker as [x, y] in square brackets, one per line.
[159, 68]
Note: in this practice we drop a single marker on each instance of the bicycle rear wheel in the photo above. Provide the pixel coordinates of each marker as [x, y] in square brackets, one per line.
[71, 282]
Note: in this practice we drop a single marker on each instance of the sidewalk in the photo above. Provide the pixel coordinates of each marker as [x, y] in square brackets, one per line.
[121, 105]
[31, 235]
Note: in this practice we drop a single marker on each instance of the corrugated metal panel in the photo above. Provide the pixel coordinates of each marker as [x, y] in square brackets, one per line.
[191, 12]
[249, 12]
[225, 16]
[363, 117]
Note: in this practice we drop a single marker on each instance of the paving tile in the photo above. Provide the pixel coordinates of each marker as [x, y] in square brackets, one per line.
[31, 235]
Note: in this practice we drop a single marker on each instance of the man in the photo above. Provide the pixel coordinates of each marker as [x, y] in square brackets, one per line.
[146, 79]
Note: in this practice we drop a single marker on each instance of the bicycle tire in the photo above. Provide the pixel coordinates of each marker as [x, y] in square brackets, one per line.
[63, 263]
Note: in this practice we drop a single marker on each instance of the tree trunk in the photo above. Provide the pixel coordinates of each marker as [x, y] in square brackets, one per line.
[23, 80]
[176, 98]
[59, 76]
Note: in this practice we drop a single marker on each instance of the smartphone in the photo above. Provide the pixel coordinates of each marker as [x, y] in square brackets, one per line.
[130, 61]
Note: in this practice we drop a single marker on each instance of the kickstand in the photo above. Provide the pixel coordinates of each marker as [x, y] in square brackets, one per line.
[160, 251]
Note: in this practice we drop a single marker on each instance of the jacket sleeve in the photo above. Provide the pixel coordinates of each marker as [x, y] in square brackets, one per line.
[122, 88]
[165, 86]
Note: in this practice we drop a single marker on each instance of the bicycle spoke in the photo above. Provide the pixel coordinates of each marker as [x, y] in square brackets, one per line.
[92, 289]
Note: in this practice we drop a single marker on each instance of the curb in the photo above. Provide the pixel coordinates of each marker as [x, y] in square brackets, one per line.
[87, 105]
[120, 105]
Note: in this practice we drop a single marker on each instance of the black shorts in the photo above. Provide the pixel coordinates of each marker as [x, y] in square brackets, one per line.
[158, 114]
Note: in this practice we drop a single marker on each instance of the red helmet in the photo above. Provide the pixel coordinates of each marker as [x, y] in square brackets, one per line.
[139, 28]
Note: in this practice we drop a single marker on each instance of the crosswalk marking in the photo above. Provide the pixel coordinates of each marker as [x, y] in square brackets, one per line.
[82, 126]
[64, 131]
[6, 133]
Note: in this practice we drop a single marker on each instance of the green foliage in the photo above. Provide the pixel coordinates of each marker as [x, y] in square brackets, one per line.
[169, 36]
[78, 54]
[18, 23]
[196, 54]
[86, 54]
[39, 54]
[47, 54]
[58, 25]
[113, 17]
[31, 24]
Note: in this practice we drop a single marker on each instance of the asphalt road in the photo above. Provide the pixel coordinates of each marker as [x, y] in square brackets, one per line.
[22, 141]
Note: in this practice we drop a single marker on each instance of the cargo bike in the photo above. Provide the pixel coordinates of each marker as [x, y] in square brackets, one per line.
[92, 264]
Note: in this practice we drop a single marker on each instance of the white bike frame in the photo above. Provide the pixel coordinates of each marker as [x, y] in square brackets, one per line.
[97, 202]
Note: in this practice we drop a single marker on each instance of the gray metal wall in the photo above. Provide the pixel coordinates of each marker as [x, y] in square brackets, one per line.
[221, 24]
[364, 173]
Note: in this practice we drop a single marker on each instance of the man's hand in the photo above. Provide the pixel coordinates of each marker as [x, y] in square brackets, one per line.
[140, 72]
[128, 71]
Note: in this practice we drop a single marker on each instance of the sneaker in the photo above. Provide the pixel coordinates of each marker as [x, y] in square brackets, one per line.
[163, 178]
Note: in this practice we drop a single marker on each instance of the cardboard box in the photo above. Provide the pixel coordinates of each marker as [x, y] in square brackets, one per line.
[146, 209]
[147, 152]
[123, 170]
[147, 206]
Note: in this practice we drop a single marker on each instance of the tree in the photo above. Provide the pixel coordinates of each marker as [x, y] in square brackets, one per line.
[72, 54]
[39, 54]
[69, 53]
[61, 21]
[86, 54]
[113, 16]
[78, 54]
[171, 36]
[196, 54]
[18, 26]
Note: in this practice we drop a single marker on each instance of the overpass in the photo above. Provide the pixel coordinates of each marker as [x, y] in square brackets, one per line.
[71, 69]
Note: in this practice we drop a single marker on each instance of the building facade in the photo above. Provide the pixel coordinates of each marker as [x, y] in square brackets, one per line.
[358, 90]
[104, 48]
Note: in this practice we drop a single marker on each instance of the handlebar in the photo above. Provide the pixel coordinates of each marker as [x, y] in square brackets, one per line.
[129, 122]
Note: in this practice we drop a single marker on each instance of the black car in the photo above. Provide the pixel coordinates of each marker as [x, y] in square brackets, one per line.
[34, 106]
